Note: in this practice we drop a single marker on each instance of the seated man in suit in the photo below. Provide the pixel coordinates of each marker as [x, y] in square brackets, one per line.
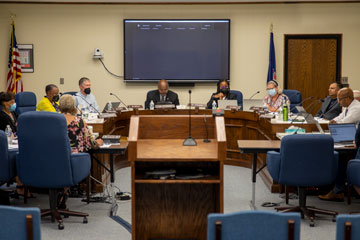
[50, 103]
[330, 107]
[222, 93]
[163, 94]
[351, 113]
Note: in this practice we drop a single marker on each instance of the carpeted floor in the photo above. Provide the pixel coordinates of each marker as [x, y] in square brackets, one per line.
[237, 194]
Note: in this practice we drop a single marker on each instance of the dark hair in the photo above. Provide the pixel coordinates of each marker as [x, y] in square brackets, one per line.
[6, 96]
[220, 81]
[82, 80]
[339, 86]
[49, 87]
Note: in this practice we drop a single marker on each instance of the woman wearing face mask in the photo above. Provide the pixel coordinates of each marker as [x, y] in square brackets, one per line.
[222, 93]
[50, 103]
[274, 100]
[8, 115]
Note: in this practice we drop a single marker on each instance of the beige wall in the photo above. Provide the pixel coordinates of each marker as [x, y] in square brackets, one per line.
[64, 37]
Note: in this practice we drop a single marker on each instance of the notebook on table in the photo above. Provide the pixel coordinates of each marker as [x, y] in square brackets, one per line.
[343, 134]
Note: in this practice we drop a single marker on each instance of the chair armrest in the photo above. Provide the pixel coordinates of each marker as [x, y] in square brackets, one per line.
[353, 169]
[81, 164]
[273, 164]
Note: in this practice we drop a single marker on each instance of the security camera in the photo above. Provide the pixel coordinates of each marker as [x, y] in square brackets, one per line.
[98, 53]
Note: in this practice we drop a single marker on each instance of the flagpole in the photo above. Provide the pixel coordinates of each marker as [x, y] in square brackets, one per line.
[271, 27]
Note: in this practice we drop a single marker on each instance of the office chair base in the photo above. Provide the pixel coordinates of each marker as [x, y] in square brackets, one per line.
[309, 212]
[57, 213]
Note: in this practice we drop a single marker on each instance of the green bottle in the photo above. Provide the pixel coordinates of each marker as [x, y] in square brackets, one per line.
[285, 111]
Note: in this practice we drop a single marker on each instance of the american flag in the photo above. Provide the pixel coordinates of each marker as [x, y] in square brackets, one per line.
[272, 62]
[14, 82]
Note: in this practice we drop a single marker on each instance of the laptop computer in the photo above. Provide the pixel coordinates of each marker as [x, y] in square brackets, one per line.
[309, 118]
[114, 106]
[222, 104]
[343, 134]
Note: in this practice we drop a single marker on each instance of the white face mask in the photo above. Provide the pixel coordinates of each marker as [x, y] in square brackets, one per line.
[272, 92]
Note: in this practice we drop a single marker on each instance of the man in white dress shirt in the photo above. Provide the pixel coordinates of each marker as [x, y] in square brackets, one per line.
[351, 112]
[85, 98]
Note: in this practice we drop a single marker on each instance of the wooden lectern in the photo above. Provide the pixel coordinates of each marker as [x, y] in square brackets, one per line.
[176, 206]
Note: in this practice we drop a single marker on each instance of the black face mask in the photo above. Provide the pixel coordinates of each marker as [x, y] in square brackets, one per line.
[87, 90]
[225, 91]
[56, 98]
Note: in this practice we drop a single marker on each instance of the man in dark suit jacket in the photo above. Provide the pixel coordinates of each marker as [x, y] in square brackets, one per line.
[330, 107]
[162, 94]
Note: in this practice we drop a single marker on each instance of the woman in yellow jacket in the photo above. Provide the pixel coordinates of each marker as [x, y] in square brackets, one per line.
[50, 102]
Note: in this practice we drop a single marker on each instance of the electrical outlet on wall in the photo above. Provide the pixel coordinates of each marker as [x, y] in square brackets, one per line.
[61, 80]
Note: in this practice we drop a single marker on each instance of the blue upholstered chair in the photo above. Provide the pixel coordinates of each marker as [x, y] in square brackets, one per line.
[239, 97]
[254, 225]
[348, 227]
[25, 101]
[7, 160]
[45, 159]
[70, 93]
[353, 176]
[304, 160]
[294, 97]
[19, 223]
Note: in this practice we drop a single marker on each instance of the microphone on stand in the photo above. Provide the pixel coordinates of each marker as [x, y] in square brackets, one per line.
[189, 141]
[89, 104]
[254, 94]
[120, 100]
[300, 104]
[206, 140]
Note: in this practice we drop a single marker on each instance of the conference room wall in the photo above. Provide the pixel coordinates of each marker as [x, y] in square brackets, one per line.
[64, 37]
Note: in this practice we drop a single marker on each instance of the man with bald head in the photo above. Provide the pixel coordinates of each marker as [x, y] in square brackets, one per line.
[351, 112]
[161, 95]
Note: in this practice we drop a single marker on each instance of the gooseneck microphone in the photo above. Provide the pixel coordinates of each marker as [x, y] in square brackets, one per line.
[113, 94]
[189, 141]
[254, 94]
[206, 140]
[300, 104]
[89, 104]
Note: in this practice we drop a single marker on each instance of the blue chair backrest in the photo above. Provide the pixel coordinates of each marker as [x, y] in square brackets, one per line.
[13, 223]
[312, 154]
[354, 219]
[295, 98]
[239, 97]
[253, 225]
[7, 163]
[353, 169]
[70, 93]
[25, 101]
[44, 150]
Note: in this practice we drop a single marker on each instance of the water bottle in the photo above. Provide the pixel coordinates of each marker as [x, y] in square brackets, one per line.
[279, 114]
[85, 113]
[152, 105]
[8, 133]
[285, 111]
[109, 106]
[214, 105]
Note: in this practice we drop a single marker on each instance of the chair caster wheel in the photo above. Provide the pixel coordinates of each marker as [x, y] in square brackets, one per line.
[334, 220]
[312, 224]
[66, 216]
[61, 226]
[85, 220]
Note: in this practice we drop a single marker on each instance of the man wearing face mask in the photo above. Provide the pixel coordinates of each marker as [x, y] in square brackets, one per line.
[222, 93]
[8, 115]
[85, 98]
[274, 100]
[50, 103]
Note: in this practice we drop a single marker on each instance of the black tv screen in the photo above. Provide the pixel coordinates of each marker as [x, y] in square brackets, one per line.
[176, 50]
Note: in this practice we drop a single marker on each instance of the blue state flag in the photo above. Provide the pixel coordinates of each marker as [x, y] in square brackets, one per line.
[272, 62]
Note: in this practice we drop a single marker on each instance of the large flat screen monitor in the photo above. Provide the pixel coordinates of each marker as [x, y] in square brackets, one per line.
[176, 50]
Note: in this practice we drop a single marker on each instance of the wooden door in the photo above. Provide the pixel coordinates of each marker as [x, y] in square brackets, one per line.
[311, 63]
